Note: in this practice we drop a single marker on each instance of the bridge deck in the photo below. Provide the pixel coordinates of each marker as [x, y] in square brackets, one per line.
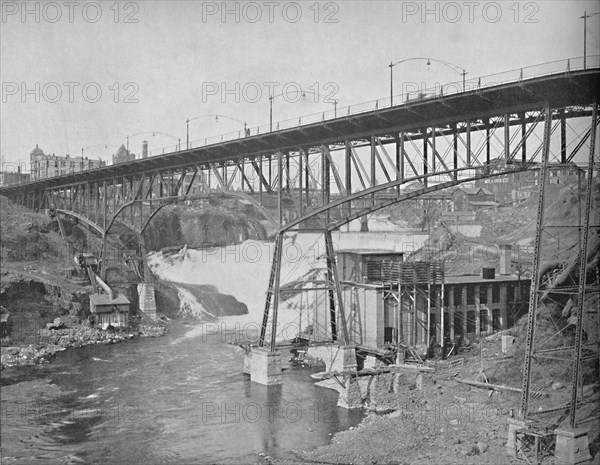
[561, 90]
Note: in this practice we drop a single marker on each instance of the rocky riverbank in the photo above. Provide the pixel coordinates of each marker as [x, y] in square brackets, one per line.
[49, 341]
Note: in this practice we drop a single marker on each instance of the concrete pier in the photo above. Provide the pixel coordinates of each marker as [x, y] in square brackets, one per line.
[147, 300]
[572, 446]
[265, 366]
[336, 357]
[350, 396]
[513, 443]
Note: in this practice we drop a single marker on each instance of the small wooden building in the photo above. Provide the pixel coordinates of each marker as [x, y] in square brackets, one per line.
[110, 311]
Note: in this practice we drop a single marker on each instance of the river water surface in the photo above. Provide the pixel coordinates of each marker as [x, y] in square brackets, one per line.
[181, 398]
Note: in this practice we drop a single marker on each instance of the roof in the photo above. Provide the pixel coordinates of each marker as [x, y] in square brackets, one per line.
[482, 203]
[37, 151]
[479, 279]
[122, 152]
[104, 300]
[370, 252]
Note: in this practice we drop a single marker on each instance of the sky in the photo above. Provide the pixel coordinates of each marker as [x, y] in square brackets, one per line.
[88, 74]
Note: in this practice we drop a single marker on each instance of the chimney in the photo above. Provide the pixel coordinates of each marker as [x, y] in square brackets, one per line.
[145, 149]
[505, 259]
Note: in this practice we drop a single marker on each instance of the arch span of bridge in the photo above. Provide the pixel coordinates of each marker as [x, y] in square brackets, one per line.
[328, 172]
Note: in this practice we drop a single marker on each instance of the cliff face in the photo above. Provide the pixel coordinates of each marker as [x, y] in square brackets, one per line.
[176, 226]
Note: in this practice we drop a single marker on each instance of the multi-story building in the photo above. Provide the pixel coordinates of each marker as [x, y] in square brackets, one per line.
[47, 166]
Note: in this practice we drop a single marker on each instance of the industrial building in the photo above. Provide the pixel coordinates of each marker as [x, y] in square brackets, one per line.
[388, 300]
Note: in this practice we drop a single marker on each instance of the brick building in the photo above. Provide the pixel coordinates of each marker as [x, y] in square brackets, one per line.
[47, 166]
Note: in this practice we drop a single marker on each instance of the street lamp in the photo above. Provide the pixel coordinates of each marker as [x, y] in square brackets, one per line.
[302, 95]
[97, 145]
[334, 101]
[187, 125]
[585, 17]
[154, 133]
[455, 68]
[271, 98]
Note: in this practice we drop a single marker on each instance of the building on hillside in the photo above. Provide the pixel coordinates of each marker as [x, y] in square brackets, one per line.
[472, 199]
[524, 193]
[123, 155]
[109, 311]
[8, 178]
[506, 187]
[567, 174]
[47, 166]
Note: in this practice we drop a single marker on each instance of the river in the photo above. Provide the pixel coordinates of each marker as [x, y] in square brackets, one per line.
[181, 398]
[175, 399]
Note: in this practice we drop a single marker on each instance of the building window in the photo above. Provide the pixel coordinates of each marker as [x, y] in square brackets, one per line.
[495, 293]
[483, 320]
[470, 322]
[457, 296]
[483, 294]
[470, 295]
[496, 324]
[458, 324]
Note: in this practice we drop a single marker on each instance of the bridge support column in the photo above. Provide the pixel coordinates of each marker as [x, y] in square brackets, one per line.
[572, 446]
[350, 395]
[147, 299]
[513, 444]
[265, 366]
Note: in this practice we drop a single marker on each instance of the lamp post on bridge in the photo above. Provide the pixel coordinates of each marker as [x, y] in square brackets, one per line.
[187, 125]
[271, 98]
[97, 145]
[154, 134]
[334, 101]
[302, 95]
[453, 67]
[585, 17]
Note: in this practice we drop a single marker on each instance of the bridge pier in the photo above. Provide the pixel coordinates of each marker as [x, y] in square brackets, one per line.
[147, 300]
[336, 357]
[265, 366]
[572, 446]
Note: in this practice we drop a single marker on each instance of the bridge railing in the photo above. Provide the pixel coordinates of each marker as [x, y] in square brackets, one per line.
[447, 89]
[439, 90]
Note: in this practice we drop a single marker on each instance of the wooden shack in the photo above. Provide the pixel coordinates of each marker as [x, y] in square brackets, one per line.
[110, 311]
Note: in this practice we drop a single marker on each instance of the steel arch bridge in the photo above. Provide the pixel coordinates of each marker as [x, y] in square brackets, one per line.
[293, 171]
[318, 176]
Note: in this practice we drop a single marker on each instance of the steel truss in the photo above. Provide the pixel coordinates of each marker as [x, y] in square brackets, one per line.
[564, 350]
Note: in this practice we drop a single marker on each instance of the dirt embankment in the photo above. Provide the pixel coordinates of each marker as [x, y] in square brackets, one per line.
[436, 419]
[37, 288]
